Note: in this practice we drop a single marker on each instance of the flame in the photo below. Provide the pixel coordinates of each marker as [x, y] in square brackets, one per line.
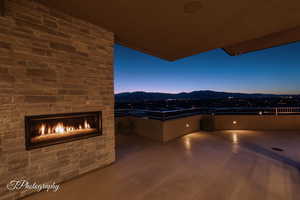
[86, 124]
[60, 128]
[43, 129]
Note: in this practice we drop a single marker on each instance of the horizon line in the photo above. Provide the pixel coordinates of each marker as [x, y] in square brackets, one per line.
[164, 92]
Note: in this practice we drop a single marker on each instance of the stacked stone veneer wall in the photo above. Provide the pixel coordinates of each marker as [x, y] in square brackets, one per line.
[52, 63]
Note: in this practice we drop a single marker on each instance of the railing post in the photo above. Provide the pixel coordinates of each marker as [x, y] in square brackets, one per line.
[276, 110]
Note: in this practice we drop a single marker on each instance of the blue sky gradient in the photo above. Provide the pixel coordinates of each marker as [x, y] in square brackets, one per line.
[275, 70]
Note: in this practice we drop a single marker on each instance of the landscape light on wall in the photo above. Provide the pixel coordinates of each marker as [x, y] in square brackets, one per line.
[234, 122]
[187, 125]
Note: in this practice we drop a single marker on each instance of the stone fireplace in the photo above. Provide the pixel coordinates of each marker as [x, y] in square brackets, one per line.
[56, 71]
[46, 130]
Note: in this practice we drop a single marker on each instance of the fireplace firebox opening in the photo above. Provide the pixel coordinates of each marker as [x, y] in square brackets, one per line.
[46, 130]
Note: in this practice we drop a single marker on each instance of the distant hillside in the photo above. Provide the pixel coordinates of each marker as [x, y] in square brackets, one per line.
[204, 94]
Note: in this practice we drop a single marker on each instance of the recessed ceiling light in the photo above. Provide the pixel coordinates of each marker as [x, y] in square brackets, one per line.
[192, 7]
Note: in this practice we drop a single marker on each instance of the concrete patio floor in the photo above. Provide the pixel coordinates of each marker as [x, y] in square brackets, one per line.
[228, 165]
[263, 142]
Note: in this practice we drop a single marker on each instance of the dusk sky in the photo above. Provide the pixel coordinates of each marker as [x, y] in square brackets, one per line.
[275, 70]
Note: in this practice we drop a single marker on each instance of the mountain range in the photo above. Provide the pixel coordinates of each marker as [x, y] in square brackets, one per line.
[195, 95]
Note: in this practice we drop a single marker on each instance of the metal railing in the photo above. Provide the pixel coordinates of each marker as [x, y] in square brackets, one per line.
[286, 110]
[156, 114]
[171, 114]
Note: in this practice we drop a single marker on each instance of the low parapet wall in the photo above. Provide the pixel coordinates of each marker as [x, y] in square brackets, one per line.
[256, 122]
[167, 130]
[158, 130]
[177, 127]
